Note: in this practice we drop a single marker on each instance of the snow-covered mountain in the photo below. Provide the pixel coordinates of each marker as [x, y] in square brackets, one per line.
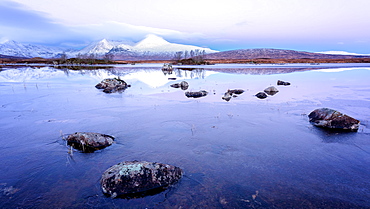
[103, 46]
[152, 47]
[155, 44]
[342, 53]
[13, 48]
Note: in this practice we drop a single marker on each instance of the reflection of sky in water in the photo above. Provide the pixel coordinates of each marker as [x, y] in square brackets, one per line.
[316, 84]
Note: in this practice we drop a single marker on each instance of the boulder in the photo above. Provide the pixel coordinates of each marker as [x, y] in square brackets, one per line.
[272, 90]
[227, 96]
[236, 91]
[232, 93]
[88, 141]
[196, 94]
[183, 85]
[279, 82]
[111, 85]
[328, 118]
[261, 95]
[138, 178]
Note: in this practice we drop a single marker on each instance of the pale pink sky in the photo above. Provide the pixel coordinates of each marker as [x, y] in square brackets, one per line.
[311, 25]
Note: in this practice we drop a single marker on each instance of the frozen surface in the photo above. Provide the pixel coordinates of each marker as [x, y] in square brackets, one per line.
[245, 153]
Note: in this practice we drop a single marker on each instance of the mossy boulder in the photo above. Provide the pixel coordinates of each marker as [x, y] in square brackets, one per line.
[332, 119]
[232, 93]
[138, 178]
[88, 141]
[112, 85]
[272, 90]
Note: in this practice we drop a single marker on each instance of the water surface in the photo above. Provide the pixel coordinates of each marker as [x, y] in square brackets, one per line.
[245, 153]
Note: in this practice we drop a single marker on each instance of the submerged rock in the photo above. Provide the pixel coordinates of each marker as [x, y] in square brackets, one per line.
[272, 90]
[88, 141]
[138, 177]
[183, 85]
[111, 85]
[328, 118]
[231, 93]
[236, 91]
[227, 96]
[196, 94]
[261, 95]
[279, 82]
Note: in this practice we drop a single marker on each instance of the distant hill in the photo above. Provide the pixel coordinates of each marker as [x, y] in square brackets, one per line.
[10, 57]
[275, 54]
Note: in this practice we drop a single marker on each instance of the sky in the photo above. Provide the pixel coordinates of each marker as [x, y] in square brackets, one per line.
[307, 25]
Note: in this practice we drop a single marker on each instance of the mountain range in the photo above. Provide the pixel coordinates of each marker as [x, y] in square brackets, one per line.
[154, 47]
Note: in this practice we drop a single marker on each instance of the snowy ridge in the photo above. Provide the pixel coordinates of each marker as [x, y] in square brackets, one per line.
[151, 45]
[13, 48]
[342, 53]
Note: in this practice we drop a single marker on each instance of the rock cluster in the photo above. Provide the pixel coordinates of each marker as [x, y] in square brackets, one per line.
[112, 85]
[88, 141]
[196, 94]
[271, 91]
[183, 85]
[137, 177]
[232, 93]
[329, 118]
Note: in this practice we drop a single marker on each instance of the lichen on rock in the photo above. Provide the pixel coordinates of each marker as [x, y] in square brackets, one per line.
[232, 93]
[89, 141]
[272, 90]
[139, 178]
[329, 118]
[112, 85]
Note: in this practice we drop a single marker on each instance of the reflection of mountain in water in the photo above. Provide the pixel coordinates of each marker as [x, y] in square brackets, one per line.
[156, 77]
[193, 73]
[22, 74]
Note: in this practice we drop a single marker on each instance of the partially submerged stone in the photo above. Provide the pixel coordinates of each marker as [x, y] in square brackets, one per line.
[232, 93]
[183, 85]
[112, 85]
[88, 141]
[138, 177]
[328, 118]
[279, 82]
[227, 96]
[261, 95]
[272, 90]
[196, 94]
[236, 91]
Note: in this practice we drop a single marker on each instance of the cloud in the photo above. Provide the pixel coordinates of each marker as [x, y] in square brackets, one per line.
[118, 30]
[21, 24]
